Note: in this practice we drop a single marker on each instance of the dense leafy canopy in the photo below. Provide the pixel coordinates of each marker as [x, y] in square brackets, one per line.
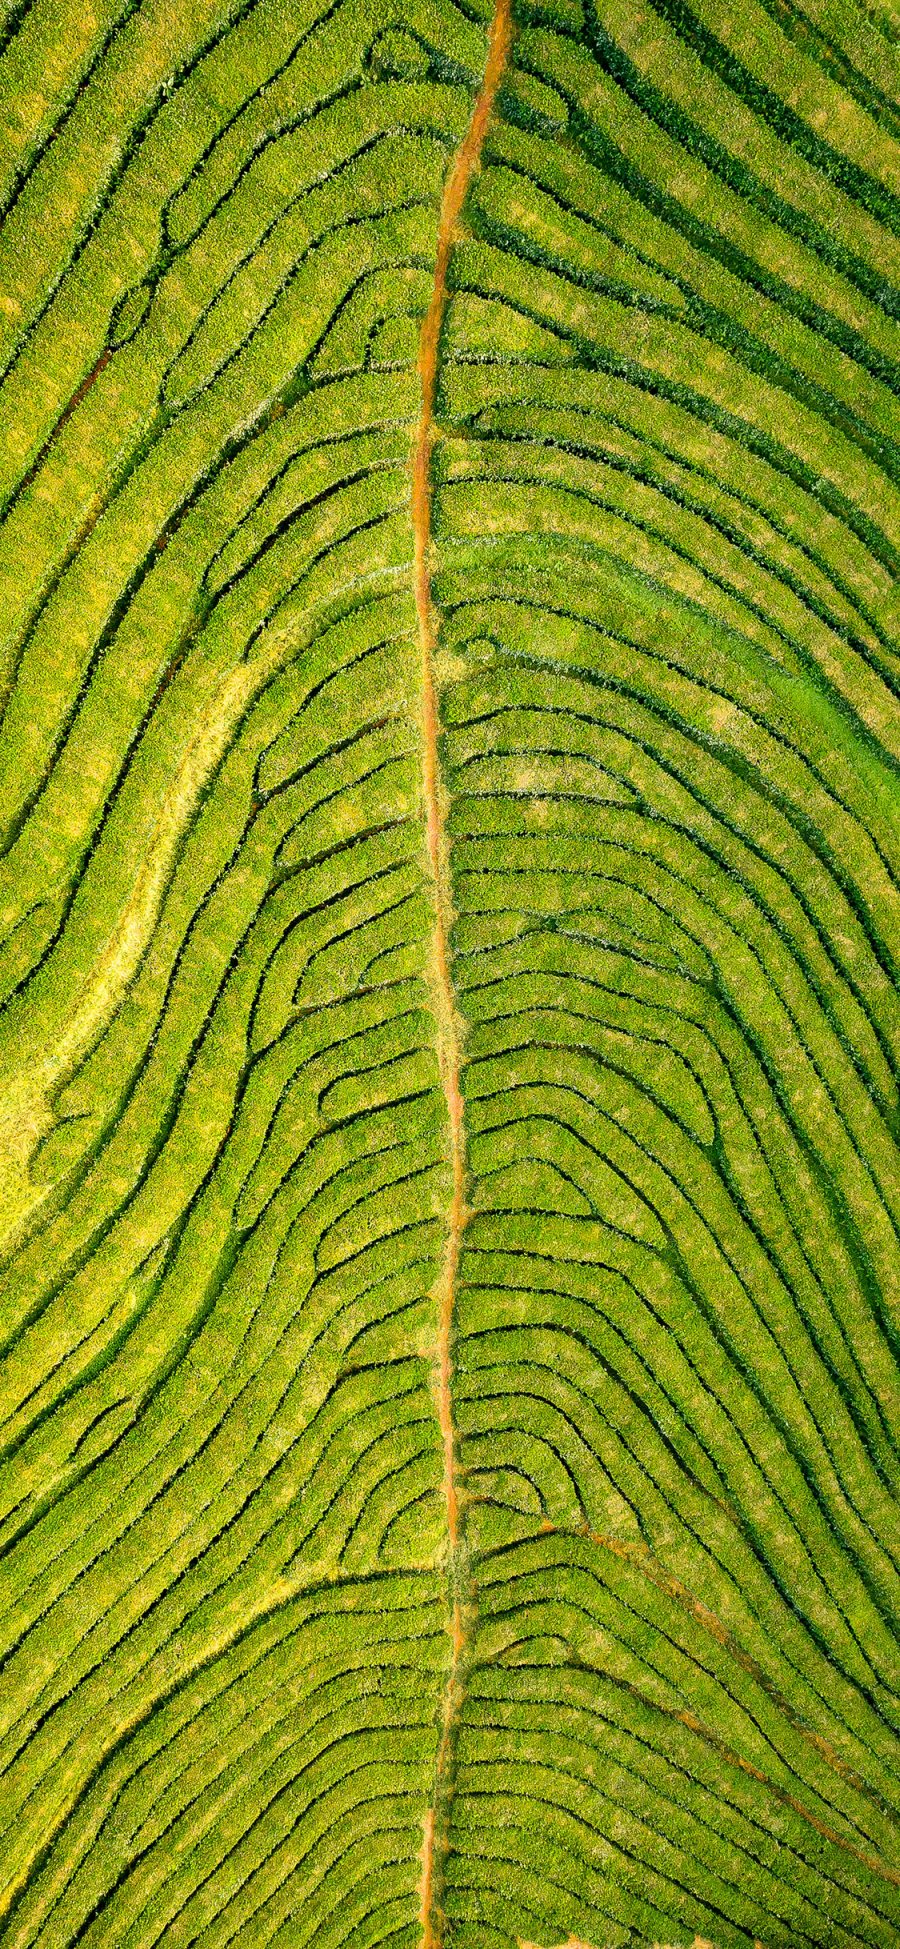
[450, 924]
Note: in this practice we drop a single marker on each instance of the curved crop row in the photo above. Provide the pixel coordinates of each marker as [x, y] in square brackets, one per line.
[449, 936]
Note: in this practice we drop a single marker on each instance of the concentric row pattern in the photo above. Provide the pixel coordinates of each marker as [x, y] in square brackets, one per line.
[653, 1692]
[667, 520]
[224, 1628]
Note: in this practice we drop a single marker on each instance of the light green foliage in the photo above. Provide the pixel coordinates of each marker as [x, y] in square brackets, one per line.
[665, 535]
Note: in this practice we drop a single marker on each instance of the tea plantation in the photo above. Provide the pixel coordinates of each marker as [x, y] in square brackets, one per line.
[449, 929]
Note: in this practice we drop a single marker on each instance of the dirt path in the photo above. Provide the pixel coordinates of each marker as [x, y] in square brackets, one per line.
[448, 1025]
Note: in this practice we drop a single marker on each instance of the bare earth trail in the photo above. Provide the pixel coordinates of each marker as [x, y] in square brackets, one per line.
[465, 162]
[451, 532]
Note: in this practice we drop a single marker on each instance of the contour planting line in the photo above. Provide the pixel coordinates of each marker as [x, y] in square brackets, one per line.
[448, 1025]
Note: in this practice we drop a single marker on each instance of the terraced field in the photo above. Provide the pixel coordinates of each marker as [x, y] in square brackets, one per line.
[450, 901]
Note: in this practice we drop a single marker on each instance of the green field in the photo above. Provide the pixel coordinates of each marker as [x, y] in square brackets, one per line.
[449, 932]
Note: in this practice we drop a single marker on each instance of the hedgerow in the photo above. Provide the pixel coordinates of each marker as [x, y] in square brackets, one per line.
[450, 900]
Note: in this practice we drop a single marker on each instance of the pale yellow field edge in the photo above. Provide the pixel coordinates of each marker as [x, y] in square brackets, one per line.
[25, 1110]
[448, 1025]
